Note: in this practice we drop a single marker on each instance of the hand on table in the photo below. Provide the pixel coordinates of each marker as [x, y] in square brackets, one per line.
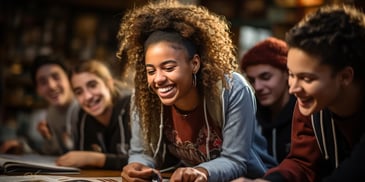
[187, 174]
[242, 179]
[139, 172]
[43, 129]
[82, 159]
[12, 146]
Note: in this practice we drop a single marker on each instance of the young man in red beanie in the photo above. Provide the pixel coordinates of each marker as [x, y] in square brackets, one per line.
[265, 67]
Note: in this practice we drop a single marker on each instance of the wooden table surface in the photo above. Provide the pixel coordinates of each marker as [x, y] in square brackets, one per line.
[105, 173]
[96, 173]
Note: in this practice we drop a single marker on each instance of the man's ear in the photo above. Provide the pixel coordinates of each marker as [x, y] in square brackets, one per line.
[195, 63]
[38, 90]
[347, 75]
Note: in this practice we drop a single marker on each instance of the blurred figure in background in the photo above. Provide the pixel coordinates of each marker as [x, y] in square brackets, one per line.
[265, 67]
[46, 131]
[103, 128]
[20, 135]
[50, 77]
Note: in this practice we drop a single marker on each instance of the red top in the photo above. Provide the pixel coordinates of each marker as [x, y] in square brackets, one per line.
[187, 136]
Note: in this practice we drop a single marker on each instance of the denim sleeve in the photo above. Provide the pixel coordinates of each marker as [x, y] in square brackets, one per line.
[238, 133]
[136, 152]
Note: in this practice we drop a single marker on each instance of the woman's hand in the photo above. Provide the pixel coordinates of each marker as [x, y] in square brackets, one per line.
[82, 159]
[242, 179]
[187, 174]
[139, 172]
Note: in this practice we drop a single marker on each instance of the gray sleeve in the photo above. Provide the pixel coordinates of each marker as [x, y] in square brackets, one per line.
[136, 152]
[74, 122]
[238, 133]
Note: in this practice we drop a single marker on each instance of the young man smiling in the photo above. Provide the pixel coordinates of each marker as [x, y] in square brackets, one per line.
[265, 67]
[326, 74]
[50, 77]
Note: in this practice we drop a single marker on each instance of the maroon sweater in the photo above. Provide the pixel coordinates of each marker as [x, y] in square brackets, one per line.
[307, 162]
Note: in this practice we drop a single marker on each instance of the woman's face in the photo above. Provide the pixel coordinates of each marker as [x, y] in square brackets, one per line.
[313, 84]
[92, 93]
[170, 73]
[269, 82]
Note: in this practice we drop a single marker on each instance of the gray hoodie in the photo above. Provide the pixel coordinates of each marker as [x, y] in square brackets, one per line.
[244, 148]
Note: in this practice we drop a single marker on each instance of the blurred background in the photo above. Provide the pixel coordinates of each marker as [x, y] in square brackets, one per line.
[83, 29]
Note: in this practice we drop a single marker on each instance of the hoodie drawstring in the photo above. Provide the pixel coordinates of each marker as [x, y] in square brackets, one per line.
[161, 132]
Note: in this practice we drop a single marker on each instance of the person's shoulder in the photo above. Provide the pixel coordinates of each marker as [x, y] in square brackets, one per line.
[125, 97]
[237, 80]
[123, 101]
[237, 75]
[74, 104]
[41, 112]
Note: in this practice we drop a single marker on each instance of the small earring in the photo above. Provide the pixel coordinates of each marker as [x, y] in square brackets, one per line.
[194, 79]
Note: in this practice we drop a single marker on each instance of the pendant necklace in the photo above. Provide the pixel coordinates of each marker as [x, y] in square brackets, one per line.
[182, 113]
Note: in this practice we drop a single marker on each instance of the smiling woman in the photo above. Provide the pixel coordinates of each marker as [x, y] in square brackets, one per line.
[103, 129]
[190, 104]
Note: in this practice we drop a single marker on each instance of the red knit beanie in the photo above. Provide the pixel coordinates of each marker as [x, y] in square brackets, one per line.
[270, 51]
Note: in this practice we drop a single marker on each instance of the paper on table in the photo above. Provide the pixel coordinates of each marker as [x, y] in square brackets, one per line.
[34, 164]
[49, 178]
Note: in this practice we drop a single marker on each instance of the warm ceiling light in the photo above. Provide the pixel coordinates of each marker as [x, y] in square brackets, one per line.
[298, 3]
[310, 2]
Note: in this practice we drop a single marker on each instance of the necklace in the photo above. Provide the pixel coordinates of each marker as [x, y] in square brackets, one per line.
[183, 113]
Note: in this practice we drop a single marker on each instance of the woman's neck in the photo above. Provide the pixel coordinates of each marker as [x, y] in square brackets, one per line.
[105, 117]
[189, 102]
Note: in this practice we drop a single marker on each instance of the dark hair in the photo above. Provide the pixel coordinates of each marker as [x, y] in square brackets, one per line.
[334, 34]
[42, 60]
[208, 32]
[172, 37]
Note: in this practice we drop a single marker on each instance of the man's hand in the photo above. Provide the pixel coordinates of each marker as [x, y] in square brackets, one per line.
[82, 159]
[43, 129]
[12, 146]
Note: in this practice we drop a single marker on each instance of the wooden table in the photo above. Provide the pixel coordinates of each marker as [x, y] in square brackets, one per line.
[96, 173]
[84, 175]
[106, 173]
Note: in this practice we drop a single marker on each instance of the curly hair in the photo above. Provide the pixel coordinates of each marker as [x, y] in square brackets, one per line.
[335, 34]
[209, 32]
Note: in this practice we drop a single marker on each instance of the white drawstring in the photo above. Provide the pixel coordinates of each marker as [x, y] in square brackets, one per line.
[121, 128]
[323, 137]
[160, 134]
[122, 133]
[82, 126]
[208, 128]
[274, 152]
[335, 141]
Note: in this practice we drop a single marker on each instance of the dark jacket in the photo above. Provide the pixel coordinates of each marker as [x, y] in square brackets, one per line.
[324, 147]
[277, 131]
[113, 140]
